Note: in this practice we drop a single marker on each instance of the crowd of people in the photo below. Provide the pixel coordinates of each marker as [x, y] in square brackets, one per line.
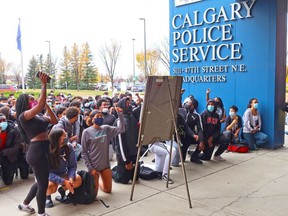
[59, 130]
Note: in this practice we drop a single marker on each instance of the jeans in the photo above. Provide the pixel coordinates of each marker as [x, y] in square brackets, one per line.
[257, 139]
[231, 137]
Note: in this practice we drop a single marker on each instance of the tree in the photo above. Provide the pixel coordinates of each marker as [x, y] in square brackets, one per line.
[152, 58]
[76, 66]
[4, 67]
[16, 70]
[109, 55]
[90, 73]
[31, 75]
[164, 55]
[66, 77]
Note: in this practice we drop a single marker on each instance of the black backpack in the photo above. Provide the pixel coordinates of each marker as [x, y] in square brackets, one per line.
[85, 194]
[147, 173]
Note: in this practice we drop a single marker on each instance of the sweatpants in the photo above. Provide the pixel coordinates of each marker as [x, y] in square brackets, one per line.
[162, 155]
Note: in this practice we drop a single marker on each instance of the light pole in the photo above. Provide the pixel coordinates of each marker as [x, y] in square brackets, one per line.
[50, 74]
[134, 78]
[145, 59]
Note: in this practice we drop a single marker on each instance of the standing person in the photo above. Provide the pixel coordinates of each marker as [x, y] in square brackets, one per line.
[33, 129]
[252, 126]
[95, 152]
[64, 165]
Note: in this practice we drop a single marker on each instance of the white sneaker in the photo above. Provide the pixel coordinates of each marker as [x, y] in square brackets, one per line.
[219, 158]
[26, 208]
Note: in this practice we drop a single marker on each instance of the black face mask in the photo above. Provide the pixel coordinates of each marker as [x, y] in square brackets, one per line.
[187, 107]
[129, 109]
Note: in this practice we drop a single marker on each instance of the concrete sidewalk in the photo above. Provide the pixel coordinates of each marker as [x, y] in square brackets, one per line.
[251, 184]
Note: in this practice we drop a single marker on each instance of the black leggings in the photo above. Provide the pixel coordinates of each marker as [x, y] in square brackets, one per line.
[37, 158]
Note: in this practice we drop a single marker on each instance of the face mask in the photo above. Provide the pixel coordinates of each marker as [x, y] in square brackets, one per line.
[255, 106]
[3, 126]
[57, 106]
[49, 104]
[129, 109]
[105, 110]
[232, 114]
[187, 107]
[98, 121]
[210, 108]
[66, 141]
[32, 104]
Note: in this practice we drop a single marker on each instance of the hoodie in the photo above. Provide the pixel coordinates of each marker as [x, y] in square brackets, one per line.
[211, 122]
[125, 143]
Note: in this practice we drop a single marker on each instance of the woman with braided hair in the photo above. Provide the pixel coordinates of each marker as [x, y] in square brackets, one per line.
[33, 128]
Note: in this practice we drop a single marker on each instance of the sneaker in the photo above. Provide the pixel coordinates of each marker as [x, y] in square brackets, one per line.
[49, 203]
[195, 160]
[219, 158]
[26, 208]
[166, 179]
[64, 200]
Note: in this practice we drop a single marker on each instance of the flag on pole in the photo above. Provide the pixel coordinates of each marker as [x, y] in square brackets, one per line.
[19, 47]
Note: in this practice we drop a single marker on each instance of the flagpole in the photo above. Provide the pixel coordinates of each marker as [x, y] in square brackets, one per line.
[19, 47]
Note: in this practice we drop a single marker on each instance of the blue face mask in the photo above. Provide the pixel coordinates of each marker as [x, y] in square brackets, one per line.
[57, 106]
[98, 121]
[232, 114]
[3, 126]
[210, 108]
[256, 106]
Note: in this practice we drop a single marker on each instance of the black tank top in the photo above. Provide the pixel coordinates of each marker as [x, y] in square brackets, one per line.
[38, 124]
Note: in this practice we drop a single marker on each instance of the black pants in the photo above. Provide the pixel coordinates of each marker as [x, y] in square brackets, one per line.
[23, 165]
[37, 158]
[186, 142]
[223, 142]
[8, 170]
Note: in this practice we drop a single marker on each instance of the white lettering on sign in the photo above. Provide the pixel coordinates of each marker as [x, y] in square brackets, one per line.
[199, 44]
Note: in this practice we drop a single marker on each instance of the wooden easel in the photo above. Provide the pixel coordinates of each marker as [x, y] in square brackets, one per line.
[173, 104]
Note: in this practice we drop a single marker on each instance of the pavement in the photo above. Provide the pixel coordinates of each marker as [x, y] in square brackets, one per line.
[247, 184]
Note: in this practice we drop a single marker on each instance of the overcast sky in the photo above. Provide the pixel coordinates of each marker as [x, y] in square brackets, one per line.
[63, 22]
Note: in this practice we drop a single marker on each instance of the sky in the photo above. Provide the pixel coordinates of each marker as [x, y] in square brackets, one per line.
[64, 23]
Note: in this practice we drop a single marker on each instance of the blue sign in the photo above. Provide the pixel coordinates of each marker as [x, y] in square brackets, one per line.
[230, 48]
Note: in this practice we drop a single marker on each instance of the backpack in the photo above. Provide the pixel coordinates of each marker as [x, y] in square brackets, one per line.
[240, 148]
[147, 173]
[85, 194]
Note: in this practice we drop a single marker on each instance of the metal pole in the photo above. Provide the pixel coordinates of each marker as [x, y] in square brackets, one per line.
[50, 74]
[134, 78]
[145, 57]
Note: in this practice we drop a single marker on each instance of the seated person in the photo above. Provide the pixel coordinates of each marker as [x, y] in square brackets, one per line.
[63, 168]
[9, 147]
[67, 124]
[162, 154]
[252, 125]
[233, 125]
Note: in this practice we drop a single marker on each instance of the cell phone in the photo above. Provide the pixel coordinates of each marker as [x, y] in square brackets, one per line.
[38, 75]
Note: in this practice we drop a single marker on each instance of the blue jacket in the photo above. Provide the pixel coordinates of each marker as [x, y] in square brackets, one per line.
[67, 167]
